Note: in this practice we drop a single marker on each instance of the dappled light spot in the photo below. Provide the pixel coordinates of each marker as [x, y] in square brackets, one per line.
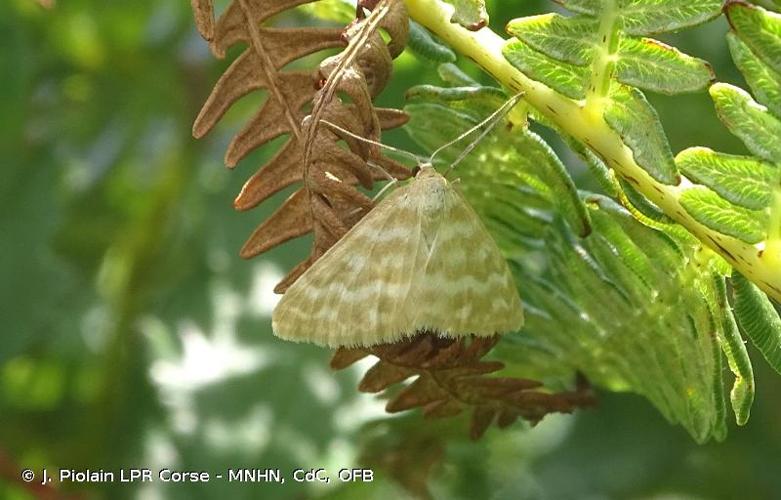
[261, 298]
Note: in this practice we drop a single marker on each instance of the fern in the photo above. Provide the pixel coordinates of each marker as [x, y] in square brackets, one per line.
[742, 194]
[587, 84]
[755, 43]
[621, 306]
[635, 288]
[584, 76]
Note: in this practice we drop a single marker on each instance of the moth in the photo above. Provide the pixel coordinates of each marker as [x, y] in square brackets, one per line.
[421, 260]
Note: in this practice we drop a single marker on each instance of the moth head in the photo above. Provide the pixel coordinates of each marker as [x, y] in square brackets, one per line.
[431, 190]
[424, 170]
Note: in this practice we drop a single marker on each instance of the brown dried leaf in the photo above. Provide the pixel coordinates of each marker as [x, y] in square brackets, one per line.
[482, 418]
[506, 418]
[327, 204]
[203, 11]
[443, 409]
[382, 375]
[344, 357]
[452, 377]
[423, 392]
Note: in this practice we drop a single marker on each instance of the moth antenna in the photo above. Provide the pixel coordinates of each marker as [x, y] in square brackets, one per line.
[392, 181]
[492, 120]
[472, 145]
[379, 167]
[387, 186]
[369, 141]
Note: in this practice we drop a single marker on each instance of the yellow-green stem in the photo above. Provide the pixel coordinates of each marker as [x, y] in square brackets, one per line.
[773, 247]
[485, 48]
[604, 58]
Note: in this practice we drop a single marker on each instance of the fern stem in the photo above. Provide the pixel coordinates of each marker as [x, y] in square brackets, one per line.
[485, 48]
[604, 60]
[772, 253]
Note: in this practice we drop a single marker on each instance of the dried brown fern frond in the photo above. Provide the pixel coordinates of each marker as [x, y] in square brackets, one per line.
[452, 377]
[327, 203]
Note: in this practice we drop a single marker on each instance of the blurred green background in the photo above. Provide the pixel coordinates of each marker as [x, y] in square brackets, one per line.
[134, 336]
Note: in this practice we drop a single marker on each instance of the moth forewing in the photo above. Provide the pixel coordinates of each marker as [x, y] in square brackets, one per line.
[327, 305]
[468, 287]
[420, 261]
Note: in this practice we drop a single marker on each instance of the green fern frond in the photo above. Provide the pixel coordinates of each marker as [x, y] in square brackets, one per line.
[634, 308]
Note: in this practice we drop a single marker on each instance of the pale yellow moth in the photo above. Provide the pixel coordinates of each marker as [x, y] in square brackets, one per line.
[421, 260]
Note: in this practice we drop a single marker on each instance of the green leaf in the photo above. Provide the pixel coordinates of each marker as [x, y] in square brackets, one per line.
[751, 122]
[568, 39]
[642, 62]
[655, 66]
[564, 78]
[433, 124]
[453, 75]
[759, 28]
[597, 167]
[647, 17]
[713, 211]
[629, 255]
[668, 248]
[642, 204]
[742, 393]
[422, 43]
[741, 397]
[561, 184]
[470, 14]
[636, 121]
[764, 82]
[474, 100]
[742, 180]
[758, 319]
[590, 7]
[636, 343]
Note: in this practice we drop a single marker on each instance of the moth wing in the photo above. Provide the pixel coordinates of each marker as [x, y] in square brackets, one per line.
[467, 287]
[354, 294]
